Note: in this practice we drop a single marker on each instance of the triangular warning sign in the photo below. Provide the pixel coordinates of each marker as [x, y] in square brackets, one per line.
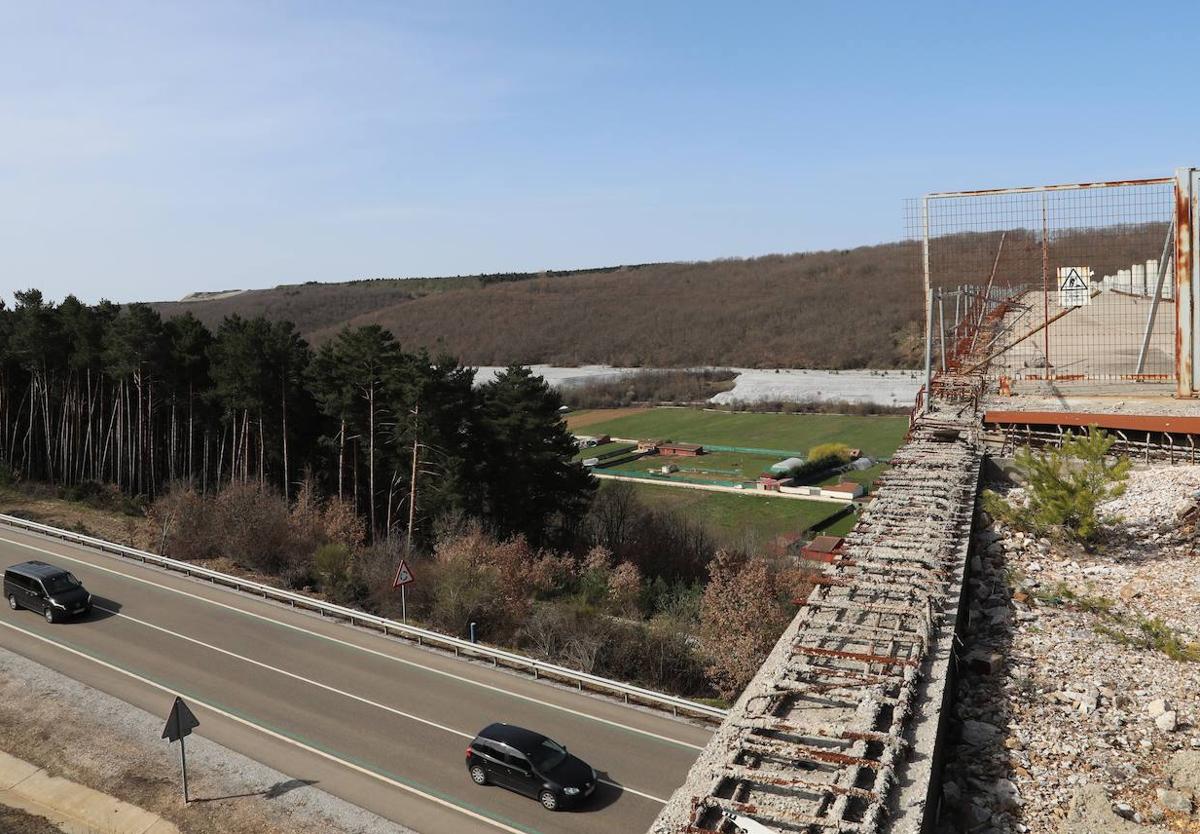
[403, 575]
[180, 722]
[1073, 281]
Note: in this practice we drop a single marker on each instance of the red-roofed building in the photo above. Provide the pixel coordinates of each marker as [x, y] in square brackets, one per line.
[680, 449]
[823, 549]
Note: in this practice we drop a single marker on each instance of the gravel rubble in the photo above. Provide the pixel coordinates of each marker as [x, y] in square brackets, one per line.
[1062, 725]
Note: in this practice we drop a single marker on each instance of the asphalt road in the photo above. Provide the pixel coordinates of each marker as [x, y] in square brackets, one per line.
[380, 723]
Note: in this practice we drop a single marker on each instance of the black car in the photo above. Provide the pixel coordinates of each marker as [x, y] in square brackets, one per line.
[529, 763]
[53, 591]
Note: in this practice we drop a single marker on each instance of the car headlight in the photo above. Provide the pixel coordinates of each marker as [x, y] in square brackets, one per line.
[570, 791]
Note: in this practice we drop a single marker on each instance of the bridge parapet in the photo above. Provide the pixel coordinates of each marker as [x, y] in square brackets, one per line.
[838, 731]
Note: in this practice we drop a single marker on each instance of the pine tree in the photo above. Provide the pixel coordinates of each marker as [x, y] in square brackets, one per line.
[530, 483]
[1066, 485]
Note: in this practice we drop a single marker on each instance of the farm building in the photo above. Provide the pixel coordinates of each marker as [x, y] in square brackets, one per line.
[648, 445]
[847, 490]
[771, 483]
[686, 450]
[787, 465]
[822, 548]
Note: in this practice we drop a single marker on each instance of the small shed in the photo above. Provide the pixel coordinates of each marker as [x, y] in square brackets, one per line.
[769, 482]
[685, 450]
[823, 549]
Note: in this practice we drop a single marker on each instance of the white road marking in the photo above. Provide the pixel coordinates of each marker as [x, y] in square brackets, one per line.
[273, 734]
[332, 689]
[376, 652]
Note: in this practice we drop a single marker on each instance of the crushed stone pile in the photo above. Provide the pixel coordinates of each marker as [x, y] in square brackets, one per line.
[1078, 703]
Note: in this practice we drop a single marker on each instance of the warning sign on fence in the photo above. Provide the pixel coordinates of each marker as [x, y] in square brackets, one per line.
[1074, 286]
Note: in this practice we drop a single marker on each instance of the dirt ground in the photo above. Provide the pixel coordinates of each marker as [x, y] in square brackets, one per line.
[91, 738]
[39, 504]
[13, 821]
[581, 419]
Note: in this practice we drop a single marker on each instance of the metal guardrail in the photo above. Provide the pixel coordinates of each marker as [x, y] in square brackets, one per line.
[422, 637]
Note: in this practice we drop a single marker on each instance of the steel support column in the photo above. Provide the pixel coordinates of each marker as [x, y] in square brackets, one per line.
[1187, 283]
[928, 308]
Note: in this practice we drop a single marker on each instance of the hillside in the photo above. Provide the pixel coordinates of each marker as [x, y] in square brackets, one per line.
[772, 311]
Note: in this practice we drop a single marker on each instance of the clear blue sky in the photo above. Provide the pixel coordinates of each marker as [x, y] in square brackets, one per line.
[152, 149]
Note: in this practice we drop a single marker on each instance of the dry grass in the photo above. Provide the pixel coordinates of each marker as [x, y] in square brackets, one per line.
[101, 748]
[582, 419]
[36, 505]
[14, 821]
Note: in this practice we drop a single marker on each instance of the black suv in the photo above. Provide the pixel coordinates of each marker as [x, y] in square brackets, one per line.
[529, 763]
[55, 592]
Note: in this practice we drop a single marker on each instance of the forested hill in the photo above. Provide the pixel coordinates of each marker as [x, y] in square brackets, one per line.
[835, 309]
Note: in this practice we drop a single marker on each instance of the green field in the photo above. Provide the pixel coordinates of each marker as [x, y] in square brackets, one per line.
[731, 516]
[717, 466]
[877, 436]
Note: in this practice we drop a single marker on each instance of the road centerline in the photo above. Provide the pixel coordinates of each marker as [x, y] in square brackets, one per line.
[328, 688]
[396, 781]
[348, 644]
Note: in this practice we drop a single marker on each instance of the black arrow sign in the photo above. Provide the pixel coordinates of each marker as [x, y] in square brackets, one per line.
[180, 722]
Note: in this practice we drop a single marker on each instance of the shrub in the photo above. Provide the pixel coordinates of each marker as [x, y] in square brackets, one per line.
[624, 590]
[254, 528]
[1067, 484]
[332, 564]
[181, 524]
[341, 523]
[834, 453]
[740, 620]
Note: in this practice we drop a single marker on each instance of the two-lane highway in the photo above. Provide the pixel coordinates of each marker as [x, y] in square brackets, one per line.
[380, 723]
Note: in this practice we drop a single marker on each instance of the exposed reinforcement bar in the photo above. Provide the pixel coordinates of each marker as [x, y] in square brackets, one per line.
[845, 709]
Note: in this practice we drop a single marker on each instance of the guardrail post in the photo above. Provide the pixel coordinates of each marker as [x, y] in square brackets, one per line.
[629, 693]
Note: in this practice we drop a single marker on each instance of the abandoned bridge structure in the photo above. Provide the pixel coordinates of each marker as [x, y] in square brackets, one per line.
[1081, 296]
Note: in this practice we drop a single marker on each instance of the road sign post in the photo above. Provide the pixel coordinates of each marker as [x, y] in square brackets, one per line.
[403, 577]
[180, 724]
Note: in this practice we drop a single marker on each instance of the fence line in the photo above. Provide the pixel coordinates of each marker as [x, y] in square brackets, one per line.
[422, 637]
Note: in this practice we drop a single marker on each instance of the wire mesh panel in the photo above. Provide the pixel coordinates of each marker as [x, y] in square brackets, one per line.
[1075, 280]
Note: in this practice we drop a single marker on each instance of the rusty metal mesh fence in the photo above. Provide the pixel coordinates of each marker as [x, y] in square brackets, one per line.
[1073, 282]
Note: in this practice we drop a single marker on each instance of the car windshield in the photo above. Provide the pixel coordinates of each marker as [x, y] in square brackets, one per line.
[548, 755]
[60, 582]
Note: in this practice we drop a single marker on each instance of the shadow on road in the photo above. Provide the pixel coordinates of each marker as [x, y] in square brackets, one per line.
[274, 792]
[607, 792]
[102, 609]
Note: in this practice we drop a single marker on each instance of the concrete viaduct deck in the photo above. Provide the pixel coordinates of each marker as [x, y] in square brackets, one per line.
[839, 729]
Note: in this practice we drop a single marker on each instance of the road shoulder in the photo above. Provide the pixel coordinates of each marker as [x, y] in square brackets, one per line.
[81, 747]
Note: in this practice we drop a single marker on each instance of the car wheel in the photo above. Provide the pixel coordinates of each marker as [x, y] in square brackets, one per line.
[549, 800]
[12, 602]
[478, 775]
[49, 614]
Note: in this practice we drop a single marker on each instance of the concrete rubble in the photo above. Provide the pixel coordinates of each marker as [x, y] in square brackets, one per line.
[1089, 725]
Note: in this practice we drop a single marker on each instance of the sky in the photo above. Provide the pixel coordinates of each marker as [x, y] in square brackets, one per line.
[149, 150]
